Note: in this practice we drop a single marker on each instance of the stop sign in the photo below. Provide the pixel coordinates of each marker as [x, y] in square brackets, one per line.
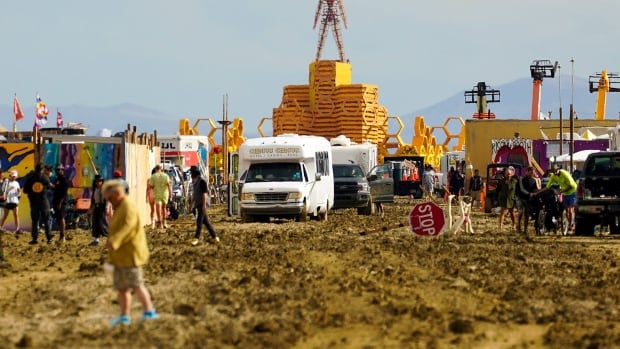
[426, 219]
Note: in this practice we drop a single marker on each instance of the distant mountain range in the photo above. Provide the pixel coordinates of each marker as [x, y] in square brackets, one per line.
[114, 118]
[515, 103]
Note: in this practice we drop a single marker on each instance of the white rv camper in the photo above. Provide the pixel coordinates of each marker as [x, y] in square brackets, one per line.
[285, 176]
[346, 152]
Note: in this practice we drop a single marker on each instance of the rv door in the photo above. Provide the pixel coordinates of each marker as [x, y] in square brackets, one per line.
[233, 184]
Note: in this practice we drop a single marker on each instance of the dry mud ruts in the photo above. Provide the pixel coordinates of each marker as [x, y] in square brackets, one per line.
[321, 285]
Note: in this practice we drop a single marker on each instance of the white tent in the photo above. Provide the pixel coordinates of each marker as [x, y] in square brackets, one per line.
[579, 156]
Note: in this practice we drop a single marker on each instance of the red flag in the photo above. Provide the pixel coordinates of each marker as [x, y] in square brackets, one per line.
[17, 110]
[59, 121]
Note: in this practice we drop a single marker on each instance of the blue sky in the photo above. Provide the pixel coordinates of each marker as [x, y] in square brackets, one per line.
[180, 57]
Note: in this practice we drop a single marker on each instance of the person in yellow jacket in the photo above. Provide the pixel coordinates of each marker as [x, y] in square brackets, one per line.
[128, 253]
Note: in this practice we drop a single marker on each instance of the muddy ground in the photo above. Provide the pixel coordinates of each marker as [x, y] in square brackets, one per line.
[322, 285]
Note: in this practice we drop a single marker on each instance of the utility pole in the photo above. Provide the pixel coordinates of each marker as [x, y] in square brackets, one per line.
[225, 122]
[561, 119]
[571, 146]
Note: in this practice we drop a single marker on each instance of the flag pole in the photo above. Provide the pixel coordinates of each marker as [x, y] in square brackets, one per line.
[14, 121]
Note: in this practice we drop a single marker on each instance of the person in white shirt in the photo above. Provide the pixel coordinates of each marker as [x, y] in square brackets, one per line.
[12, 194]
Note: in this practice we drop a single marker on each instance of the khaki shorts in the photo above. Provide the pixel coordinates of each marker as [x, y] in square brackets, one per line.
[126, 278]
[475, 195]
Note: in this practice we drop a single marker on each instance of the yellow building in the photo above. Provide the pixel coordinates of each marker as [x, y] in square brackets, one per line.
[481, 136]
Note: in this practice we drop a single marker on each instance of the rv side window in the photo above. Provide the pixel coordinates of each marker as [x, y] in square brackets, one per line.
[322, 163]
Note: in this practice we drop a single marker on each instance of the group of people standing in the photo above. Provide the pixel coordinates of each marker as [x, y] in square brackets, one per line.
[519, 194]
[46, 194]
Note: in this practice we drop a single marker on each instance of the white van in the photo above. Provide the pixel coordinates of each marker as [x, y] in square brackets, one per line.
[285, 176]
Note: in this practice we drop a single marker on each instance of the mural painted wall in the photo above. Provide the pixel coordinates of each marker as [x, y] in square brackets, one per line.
[21, 158]
[81, 162]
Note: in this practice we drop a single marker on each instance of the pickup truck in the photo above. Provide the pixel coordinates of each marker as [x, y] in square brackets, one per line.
[351, 189]
[407, 174]
[598, 194]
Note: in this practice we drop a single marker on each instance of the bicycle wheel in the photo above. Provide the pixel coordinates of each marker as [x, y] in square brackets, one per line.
[83, 221]
[565, 224]
[539, 224]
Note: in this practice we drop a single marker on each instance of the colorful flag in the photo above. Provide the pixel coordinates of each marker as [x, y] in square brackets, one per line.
[59, 121]
[17, 109]
[40, 113]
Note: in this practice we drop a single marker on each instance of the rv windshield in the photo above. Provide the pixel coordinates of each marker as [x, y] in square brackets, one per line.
[274, 172]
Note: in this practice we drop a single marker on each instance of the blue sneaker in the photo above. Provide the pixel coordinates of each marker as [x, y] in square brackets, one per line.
[149, 315]
[123, 319]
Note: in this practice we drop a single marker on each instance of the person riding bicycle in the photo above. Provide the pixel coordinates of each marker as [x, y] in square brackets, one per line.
[568, 186]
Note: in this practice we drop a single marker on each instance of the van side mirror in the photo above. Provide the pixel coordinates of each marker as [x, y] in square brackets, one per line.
[317, 177]
[372, 177]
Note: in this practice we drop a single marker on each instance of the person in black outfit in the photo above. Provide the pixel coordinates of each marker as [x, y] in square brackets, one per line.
[457, 183]
[98, 208]
[475, 188]
[36, 188]
[200, 200]
[59, 202]
[526, 192]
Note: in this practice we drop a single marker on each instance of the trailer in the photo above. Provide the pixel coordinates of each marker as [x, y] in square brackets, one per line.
[344, 151]
[185, 151]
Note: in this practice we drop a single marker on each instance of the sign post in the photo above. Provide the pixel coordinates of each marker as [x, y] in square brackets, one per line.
[426, 219]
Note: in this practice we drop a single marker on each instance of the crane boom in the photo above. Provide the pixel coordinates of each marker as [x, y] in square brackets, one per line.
[605, 82]
[540, 69]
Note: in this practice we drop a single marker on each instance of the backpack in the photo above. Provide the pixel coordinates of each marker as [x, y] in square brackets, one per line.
[3, 187]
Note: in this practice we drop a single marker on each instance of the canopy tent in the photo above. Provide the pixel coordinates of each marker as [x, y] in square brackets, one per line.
[579, 156]
[588, 135]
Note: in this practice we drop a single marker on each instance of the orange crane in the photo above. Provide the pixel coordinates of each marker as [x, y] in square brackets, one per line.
[482, 94]
[540, 69]
[331, 11]
[602, 82]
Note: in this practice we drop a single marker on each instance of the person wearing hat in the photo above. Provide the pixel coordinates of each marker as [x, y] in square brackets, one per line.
[118, 174]
[12, 195]
[36, 187]
[568, 186]
[162, 193]
[200, 200]
[59, 200]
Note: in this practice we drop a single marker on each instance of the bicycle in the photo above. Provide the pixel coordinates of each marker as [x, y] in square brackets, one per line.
[77, 216]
